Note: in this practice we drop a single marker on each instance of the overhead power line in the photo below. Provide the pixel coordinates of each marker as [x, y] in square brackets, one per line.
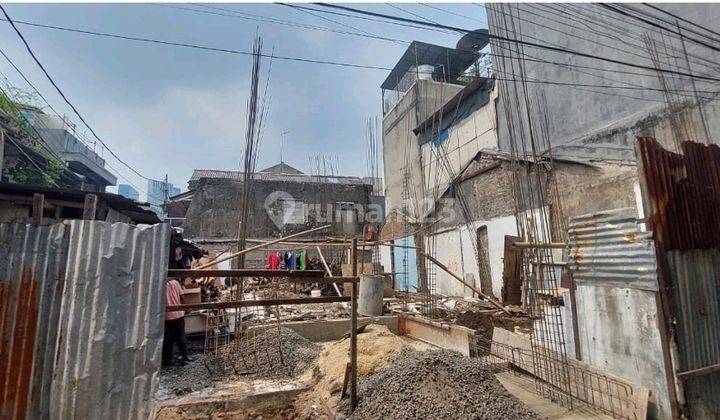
[657, 25]
[222, 50]
[194, 46]
[62, 94]
[518, 41]
[682, 19]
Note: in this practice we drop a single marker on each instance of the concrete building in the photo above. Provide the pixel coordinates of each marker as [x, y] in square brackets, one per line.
[595, 108]
[62, 138]
[128, 191]
[282, 203]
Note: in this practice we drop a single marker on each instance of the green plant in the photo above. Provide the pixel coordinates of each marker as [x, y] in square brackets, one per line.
[26, 173]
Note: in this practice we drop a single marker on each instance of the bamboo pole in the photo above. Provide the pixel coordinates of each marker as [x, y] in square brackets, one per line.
[471, 287]
[262, 245]
[327, 268]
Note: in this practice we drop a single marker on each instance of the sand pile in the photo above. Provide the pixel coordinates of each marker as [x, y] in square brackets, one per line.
[376, 347]
[436, 384]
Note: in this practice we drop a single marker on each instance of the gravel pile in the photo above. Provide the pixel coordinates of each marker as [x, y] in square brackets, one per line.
[436, 384]
[256, 356]
[297, 355]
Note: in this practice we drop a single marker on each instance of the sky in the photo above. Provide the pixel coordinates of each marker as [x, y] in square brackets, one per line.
[169, 110]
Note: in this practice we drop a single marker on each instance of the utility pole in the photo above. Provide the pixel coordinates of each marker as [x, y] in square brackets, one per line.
[166, 192]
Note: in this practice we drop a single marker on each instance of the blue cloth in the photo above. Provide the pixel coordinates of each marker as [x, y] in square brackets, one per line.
[441, 137]
[292, 261]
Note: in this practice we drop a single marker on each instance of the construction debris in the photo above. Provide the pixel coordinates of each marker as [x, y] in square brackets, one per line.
[289, 355]
[436, 384]
[376, 347]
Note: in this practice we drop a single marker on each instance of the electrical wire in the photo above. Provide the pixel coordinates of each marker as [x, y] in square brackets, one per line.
[453, 13]
[521, 42]
[194, 46]
[42, 140]
[20, 148]
[649, 22]
[682, 19]
[234, 52]
[410, 13]
[62, 94]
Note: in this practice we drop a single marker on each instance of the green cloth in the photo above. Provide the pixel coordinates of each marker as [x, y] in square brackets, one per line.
[302, 258]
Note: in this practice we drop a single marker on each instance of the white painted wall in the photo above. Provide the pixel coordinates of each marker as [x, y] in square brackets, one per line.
[455, 249]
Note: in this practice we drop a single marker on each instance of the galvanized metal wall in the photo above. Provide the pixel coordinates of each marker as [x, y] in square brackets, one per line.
[98, 315]
[32, 277]
[614, 267]
[681, 194]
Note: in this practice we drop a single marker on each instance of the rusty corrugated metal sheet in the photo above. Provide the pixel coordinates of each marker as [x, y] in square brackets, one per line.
[683, 206]
[87, 296]
[32, 266]
[684, 190]
[608, 249]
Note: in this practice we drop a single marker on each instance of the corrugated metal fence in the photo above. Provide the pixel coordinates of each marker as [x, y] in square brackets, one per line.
[81, 319]
[682, 201]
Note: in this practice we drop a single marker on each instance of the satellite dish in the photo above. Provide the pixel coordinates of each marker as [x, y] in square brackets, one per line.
[474, 41]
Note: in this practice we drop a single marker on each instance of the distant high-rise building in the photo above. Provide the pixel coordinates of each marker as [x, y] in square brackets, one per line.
[174, 191]
[156, 191]
[128, 192]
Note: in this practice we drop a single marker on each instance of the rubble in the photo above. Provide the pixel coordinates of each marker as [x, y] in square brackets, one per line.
[436, 384]
[298, 354]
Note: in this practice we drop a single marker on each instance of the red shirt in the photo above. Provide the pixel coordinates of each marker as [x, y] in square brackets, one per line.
[273, 261]
[173, 291]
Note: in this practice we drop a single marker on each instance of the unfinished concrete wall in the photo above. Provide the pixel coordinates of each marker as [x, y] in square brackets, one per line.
[401, 148]
[215, 208]
[618, 329]
[443, 162]
[595, 122]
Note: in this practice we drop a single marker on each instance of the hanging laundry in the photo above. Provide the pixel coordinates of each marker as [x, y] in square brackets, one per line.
[292, 261]
[302, 260]
[273, 261]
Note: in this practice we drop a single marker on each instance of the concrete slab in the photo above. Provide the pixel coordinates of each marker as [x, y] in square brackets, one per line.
[334, 329]
[446, 336]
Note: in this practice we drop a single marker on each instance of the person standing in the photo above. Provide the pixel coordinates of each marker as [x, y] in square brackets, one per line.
[174, 325]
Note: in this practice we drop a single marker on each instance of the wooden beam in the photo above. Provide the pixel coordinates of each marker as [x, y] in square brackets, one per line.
[263, 245]
[37, 208]
[245, 272]
[249, 303]
[539, 245]
[327, 270]
[353, 330]
[90, 207]
[469, 286]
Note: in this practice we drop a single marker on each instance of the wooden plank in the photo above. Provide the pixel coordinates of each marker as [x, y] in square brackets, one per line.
[353, 331]
[540, 245]
[90, 207]
[246, 272]
[37, 209]
[249, 303]
[512, 264]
